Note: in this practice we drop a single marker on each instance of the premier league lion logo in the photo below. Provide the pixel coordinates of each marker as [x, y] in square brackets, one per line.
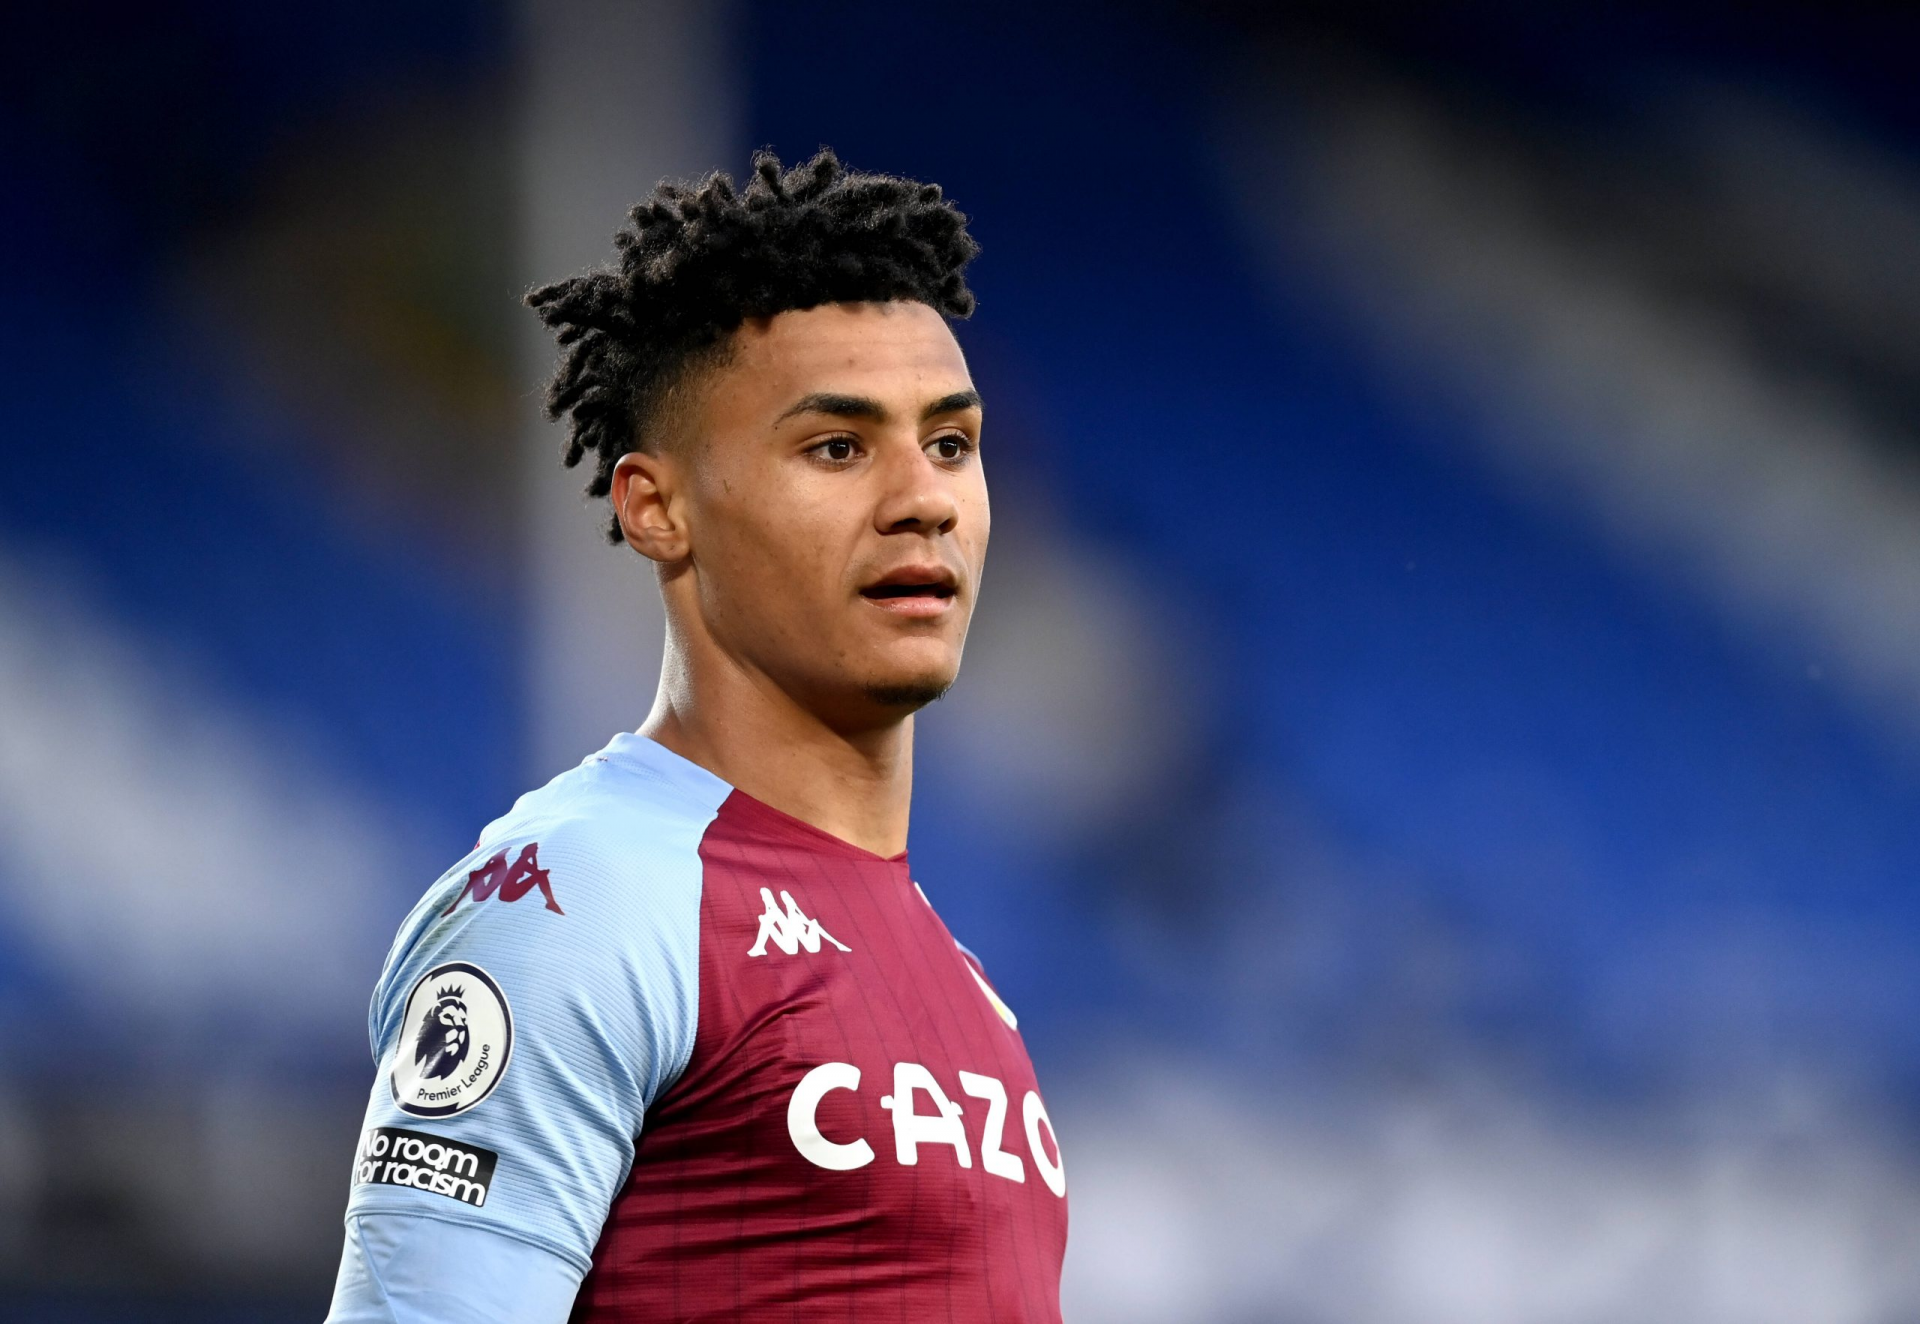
[462, 1039]
[441, 1044]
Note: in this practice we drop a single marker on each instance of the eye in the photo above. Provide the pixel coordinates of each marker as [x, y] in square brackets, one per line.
[951, 446]
[834, 450]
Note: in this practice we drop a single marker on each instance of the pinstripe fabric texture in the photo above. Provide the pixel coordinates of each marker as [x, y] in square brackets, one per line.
[857, 1135]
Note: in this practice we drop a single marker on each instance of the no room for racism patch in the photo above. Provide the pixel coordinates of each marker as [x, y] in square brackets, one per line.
[392, 1156]
[456, 1037]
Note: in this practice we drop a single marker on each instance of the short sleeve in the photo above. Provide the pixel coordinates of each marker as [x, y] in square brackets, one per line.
[401, 1270]
[536, 1002]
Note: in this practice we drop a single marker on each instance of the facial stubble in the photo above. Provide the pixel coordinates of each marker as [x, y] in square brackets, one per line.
[910, 697]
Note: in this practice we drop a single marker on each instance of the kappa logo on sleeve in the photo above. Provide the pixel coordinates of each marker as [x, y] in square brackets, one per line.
[456, 1038]
[393, 1156]
[509, 882]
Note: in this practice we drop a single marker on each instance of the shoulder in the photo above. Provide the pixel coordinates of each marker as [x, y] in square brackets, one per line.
[614, 831]
[540, 997]
[596, 872]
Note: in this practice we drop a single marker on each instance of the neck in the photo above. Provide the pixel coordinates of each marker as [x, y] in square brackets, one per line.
[736, 723]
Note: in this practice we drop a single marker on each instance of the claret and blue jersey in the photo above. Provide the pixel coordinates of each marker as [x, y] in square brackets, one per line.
[658, 1051]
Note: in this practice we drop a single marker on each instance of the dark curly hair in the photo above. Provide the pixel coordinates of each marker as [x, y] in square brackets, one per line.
[700, 259]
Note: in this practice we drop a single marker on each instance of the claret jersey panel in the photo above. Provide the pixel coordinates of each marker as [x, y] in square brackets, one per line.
[721, 1063]
[858, 1129]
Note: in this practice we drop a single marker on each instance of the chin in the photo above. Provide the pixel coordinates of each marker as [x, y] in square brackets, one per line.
[906, 688]
[910, 676]
[907, 695]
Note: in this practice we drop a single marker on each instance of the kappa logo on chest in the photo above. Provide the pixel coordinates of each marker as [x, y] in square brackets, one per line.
[790, 930]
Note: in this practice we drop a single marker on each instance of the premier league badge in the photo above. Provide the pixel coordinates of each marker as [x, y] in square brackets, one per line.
[455, 1040]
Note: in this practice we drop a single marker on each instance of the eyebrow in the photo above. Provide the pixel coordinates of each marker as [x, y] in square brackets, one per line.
[951, 404]
[866, 407]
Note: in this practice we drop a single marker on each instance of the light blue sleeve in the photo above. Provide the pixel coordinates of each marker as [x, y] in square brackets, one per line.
[536, 1002]
[399, 1270]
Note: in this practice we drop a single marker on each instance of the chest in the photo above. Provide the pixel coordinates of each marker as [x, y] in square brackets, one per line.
[858, 1128]
[838, 1013]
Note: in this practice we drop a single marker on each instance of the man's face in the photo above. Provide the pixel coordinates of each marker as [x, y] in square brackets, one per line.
[835, 506]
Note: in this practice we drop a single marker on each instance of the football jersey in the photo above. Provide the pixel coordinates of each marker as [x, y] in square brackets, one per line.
[659, 1039]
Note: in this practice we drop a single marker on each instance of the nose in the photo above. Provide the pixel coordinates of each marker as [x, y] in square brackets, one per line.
[919, 495]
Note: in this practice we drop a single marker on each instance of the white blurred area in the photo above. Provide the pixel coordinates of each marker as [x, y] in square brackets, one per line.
[1194, 1202]
[186, 870]
[182, 860]
[615, 97]
[1070, 702]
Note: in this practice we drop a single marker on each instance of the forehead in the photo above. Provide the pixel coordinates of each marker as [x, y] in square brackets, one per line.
[884, 350]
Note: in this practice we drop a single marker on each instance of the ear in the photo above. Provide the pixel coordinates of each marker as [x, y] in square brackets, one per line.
[643, 491]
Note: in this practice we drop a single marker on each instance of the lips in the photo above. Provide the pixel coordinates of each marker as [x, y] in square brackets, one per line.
[913, 590]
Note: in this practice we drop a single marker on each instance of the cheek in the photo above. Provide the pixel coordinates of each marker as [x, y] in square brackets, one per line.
[975, 528]
[782, 561]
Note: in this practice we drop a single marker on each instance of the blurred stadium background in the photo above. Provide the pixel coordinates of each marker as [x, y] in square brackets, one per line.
[1438, 769]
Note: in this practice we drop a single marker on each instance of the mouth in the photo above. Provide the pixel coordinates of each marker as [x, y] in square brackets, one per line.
[914, 591]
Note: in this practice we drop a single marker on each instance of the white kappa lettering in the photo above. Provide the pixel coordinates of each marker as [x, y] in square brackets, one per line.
[790, 930]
